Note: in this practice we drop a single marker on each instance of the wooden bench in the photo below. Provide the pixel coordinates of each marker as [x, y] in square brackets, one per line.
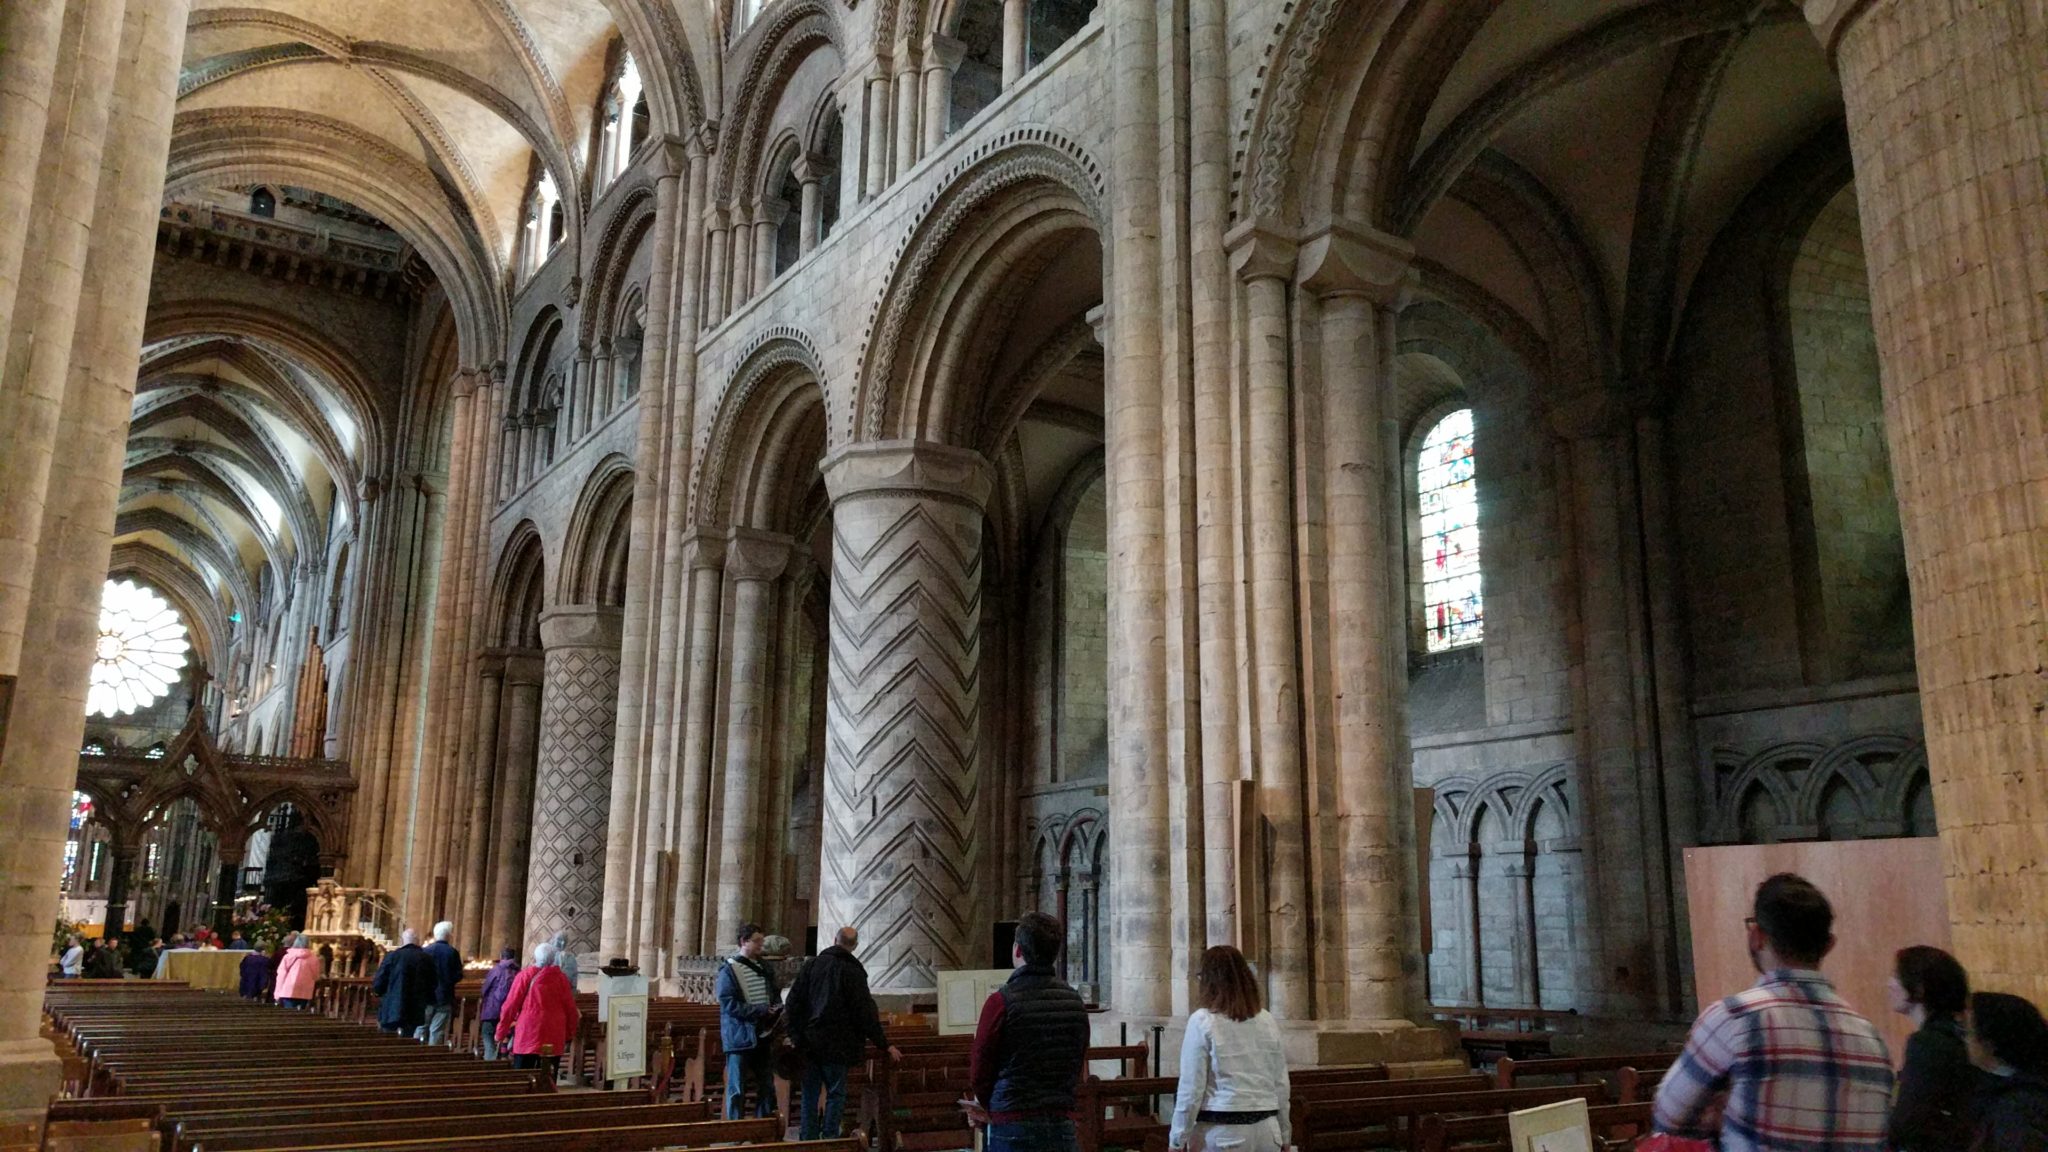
[1125, 1112]
[483, 1127]
[1509, 1072]
[1615, 1126]
[565, 1138]
[195, 1121]
[1394, 1121]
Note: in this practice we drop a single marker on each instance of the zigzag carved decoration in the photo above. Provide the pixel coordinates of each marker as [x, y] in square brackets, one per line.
[902, 749]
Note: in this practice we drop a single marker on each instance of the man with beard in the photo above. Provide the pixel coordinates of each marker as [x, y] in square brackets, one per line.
[1785, 1066]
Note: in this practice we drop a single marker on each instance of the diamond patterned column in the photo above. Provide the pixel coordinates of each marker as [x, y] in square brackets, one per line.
[572, 787]
[902, 755]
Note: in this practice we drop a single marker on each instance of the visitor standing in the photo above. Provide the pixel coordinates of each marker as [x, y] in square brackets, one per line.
[447, 974]
[72, 962]
[539, 1015]
[1937, 1085]
[748, 1008]
[491, 1005]
[832, 1017]
[565, 958]
[1030, 1049]
[1786, 1066]
[2009, 1041]
[298, 974]
[101, 963]
[1233, 1066]
[404, 983]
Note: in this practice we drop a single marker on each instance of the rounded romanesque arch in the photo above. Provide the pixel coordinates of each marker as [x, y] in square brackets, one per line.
[749, 464]
[600, 536]
[1001, 215]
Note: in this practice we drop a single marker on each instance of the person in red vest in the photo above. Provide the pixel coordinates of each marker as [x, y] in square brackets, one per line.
[540, 1013]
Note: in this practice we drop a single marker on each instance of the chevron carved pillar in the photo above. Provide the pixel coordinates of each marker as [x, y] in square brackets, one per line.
[572, 783]
[902, 760]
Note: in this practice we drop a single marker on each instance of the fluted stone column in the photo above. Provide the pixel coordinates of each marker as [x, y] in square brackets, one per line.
[753, 563]
[941, 59]
[572, 784]
[1358, 276]
[1946, 123]
[28, 78]
[876, 148]
[704, 561]
[512, 820]
[902, 764]
[1016, 39]
[768, 216]
[714, 275]
[472, 919]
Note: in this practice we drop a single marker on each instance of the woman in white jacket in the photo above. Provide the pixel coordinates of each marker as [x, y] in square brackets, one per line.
[1233, 1069]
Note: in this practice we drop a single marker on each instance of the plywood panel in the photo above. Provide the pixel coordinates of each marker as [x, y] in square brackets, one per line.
[1887, 894]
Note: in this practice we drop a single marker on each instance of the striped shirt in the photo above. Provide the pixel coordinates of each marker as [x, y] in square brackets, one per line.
[753, 985]
[1785, 1066]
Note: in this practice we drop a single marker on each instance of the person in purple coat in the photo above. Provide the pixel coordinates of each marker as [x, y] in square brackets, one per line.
[497, 985]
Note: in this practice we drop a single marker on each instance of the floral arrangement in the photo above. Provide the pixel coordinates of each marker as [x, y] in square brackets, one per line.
[264, 926]
[61, 935]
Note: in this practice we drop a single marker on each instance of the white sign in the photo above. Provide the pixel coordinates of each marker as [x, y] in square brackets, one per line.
[1561, 1127]
[961, 995]
[625, 1037]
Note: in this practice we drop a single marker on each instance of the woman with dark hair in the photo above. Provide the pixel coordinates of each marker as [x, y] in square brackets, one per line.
[1932, 1110]
[1233, 1069]
[2009, 1040]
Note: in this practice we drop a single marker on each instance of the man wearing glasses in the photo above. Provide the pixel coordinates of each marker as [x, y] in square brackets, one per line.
[1785, 1066]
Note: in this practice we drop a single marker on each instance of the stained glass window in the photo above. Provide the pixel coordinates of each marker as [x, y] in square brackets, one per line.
[1452, 612]
[81, 810]
[141, 650]
[70, 862]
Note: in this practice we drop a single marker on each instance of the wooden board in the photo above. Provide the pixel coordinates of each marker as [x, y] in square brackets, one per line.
[1887, 894]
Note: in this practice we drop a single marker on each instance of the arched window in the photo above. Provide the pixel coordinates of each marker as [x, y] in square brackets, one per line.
[546, 223]
[622, 124]
[1453, 614]
[263, 202]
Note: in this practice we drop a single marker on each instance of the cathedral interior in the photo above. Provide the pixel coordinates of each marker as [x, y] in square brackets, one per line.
[1373, 481]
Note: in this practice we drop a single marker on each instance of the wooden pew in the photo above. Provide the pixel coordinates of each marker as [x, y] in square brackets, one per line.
[562, 1137]
[1394, 1121]
[200, 1119]
[1510, 1072]
[484, 1127]
[1615, 1126]
[1126, 1112]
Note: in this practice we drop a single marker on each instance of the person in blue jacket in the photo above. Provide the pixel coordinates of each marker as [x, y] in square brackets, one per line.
[749, 1008]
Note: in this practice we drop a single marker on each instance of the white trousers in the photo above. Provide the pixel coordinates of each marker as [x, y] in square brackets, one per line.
[1261, 1137]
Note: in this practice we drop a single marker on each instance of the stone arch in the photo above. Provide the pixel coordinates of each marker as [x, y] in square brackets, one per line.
[773, 394]
[627, 225]
[530, 370]
[992, 214]
[794, 31]
[239, 146]
[520, 593]
[600, 534]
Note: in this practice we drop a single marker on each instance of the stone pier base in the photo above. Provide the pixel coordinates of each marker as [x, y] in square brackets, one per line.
[30, 1074]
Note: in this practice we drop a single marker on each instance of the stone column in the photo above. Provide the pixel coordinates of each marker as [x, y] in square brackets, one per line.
[902, 768]
[1016, 39]
[876, 149]
[908, 142]
[1521, 877]
[471, 918]
[71, 533]
[768, 216]
[1264, 263]
[1465, 888]
[512, 822]
[714, 276]
[704, 560]
[811, 174]
[941, 59]
[1358, 274]
[1946, 125]
[742, 256]
[753, 562]
[121, 860]
[572, 784]
[28, 81]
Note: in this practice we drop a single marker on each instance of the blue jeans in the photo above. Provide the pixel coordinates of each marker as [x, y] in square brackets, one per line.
[435, 1030]
[1047, 1135]
[490, 1031]
[753, 1067]
[821, 1118]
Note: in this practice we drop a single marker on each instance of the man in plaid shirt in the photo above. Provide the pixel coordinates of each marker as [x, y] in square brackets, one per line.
[1785, 1066]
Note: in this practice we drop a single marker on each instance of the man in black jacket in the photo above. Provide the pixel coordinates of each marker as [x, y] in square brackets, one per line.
[1030, 1048]
[404, 983]
[831, 1017]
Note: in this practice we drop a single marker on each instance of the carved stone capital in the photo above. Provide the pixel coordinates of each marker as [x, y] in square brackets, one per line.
[464, 384]
[1260, 251]
[944, 52]
[524, 666]
[1346, 258]
[581, 626]
[1830, 18]
[490, 663]
[912, 467]
[715, 219]
[810, 169]
[703, 549]
[671, 156]
[751, 554]
[770, 212]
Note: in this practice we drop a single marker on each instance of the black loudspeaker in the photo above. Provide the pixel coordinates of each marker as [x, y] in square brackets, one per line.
[1002, 943]
[811, 940]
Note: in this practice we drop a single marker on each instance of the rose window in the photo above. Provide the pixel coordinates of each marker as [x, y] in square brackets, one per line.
[140, 651]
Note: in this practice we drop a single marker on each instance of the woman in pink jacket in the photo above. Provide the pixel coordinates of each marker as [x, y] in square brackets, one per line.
[298, 973]
[540, 1013]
